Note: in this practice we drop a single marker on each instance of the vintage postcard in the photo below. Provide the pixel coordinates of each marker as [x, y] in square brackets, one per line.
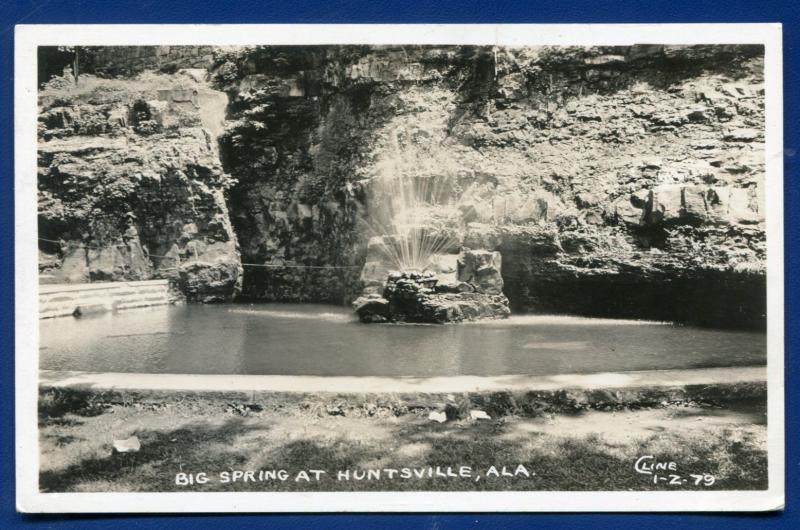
[399, 268]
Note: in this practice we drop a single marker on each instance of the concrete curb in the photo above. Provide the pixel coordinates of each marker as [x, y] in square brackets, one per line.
[377, 385]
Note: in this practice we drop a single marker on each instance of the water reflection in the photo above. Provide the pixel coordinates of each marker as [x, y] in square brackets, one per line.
[324, 340]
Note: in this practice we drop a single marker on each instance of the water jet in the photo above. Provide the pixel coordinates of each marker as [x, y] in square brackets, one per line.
[417, 269]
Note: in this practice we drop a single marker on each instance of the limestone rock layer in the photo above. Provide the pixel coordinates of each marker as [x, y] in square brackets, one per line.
[614, 181]
[131, 186]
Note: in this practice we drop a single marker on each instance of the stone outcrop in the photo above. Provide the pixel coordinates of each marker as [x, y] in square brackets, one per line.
[481, 269]
[678, 204]
[419, 297]
[131, 186]
[475, 292]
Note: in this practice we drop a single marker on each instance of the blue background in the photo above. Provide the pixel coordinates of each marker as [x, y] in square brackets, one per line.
[408, 11]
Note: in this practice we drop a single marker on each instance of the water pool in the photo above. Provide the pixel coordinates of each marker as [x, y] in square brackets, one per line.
[306, 339]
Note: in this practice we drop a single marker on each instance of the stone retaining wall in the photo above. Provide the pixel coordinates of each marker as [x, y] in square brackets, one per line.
[65, 300]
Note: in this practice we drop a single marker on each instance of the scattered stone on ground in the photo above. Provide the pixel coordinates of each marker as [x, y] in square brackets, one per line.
[335, 410]
[127, 445]
[478, 415]
[437, 416]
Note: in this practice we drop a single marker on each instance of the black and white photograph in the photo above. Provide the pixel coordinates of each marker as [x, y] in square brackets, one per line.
[452, 269]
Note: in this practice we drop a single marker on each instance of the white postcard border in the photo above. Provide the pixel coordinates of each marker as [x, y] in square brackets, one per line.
[28, 37]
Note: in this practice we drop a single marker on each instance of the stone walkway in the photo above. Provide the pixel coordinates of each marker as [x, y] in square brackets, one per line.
[284, 383]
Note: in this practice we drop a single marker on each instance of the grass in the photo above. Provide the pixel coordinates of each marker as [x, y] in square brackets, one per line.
[563, 448]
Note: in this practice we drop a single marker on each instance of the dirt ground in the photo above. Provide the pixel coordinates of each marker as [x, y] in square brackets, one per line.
[210, 443]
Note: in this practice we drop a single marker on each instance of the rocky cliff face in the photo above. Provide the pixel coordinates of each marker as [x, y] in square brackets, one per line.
[614, 181]
[131, 186]
[295, 142]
